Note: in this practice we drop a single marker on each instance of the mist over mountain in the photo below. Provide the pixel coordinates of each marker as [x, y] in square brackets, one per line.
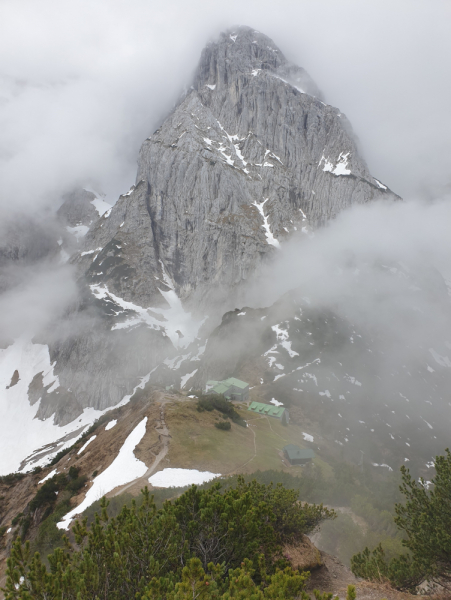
[252, 192]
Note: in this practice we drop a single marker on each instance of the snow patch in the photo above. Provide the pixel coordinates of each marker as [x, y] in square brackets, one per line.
[22, 435]
[110, 425]
[276, 402]
[307, 437]
[185, 378]
[101, 206]
[443, 361]
[382, 465]
[269, 236]
[282, 337]
[91, 439]
[181, 477]
[49, 476]
[379, 184]
[91, 251]
[79, 231]
[175, 318]
[352, 380]
[340, 168]
[125, 468]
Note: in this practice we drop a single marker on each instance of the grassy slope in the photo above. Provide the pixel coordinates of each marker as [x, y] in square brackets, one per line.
[197, 444]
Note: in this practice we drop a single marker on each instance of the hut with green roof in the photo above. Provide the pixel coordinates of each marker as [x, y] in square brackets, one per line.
[231, 388]
[269, 410]
[298, 456]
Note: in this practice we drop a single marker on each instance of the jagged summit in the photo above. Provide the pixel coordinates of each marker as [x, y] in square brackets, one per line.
[245, 160]
[242, 50]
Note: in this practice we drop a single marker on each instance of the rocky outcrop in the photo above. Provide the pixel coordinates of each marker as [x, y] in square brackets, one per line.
[250, 156]
[78, 208]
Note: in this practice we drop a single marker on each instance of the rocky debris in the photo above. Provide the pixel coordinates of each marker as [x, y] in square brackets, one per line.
[334, 577]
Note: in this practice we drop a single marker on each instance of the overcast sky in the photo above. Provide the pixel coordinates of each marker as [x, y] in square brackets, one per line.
[83, 83]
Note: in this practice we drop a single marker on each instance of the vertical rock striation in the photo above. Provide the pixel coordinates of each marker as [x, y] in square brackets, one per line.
[250, 156]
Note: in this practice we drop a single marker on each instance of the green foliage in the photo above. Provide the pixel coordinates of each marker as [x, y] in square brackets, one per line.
[425, 520]
[49, 536]
[225, 425]
[45, 495]
[217, 402]
[73, 472]
[325, 596]
[11, 478]
[16, 519]
[59, 456]
[351, 593]
[25, 526]
[76, 484]
[205, 544]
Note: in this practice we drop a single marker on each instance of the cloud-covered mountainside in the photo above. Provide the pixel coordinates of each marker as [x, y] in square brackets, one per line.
[238, 201]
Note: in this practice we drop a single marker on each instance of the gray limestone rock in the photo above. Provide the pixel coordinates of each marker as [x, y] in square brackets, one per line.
[78, 208]
[250, 156]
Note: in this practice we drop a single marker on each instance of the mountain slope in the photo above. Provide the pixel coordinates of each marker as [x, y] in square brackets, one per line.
[249, 157]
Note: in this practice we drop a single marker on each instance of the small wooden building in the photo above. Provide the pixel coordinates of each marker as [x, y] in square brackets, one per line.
[298, 456]
[269, 410]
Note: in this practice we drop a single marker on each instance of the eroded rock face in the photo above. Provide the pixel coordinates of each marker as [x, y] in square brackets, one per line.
[250, 156]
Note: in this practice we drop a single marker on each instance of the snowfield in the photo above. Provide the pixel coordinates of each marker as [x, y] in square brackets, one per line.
[21, 434]
[23, 437]
[125, 468]
[174, 318]
[181, 477]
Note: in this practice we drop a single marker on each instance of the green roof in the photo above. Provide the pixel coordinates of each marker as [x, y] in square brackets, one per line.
[296, 452]
[236, 382]
[267, 409]
[220, 388]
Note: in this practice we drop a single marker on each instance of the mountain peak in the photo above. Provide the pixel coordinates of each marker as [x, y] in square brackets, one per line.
[243, 51]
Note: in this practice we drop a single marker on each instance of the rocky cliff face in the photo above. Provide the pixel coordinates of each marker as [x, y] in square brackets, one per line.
[250, 156]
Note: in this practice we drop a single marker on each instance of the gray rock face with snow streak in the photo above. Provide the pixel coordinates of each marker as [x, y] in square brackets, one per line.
[249, 157]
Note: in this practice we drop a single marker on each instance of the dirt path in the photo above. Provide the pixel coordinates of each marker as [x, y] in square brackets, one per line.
[255, 449]
[163, 437]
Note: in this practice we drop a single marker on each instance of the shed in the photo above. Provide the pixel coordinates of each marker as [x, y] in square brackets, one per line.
[298, 456]
[269, 410]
